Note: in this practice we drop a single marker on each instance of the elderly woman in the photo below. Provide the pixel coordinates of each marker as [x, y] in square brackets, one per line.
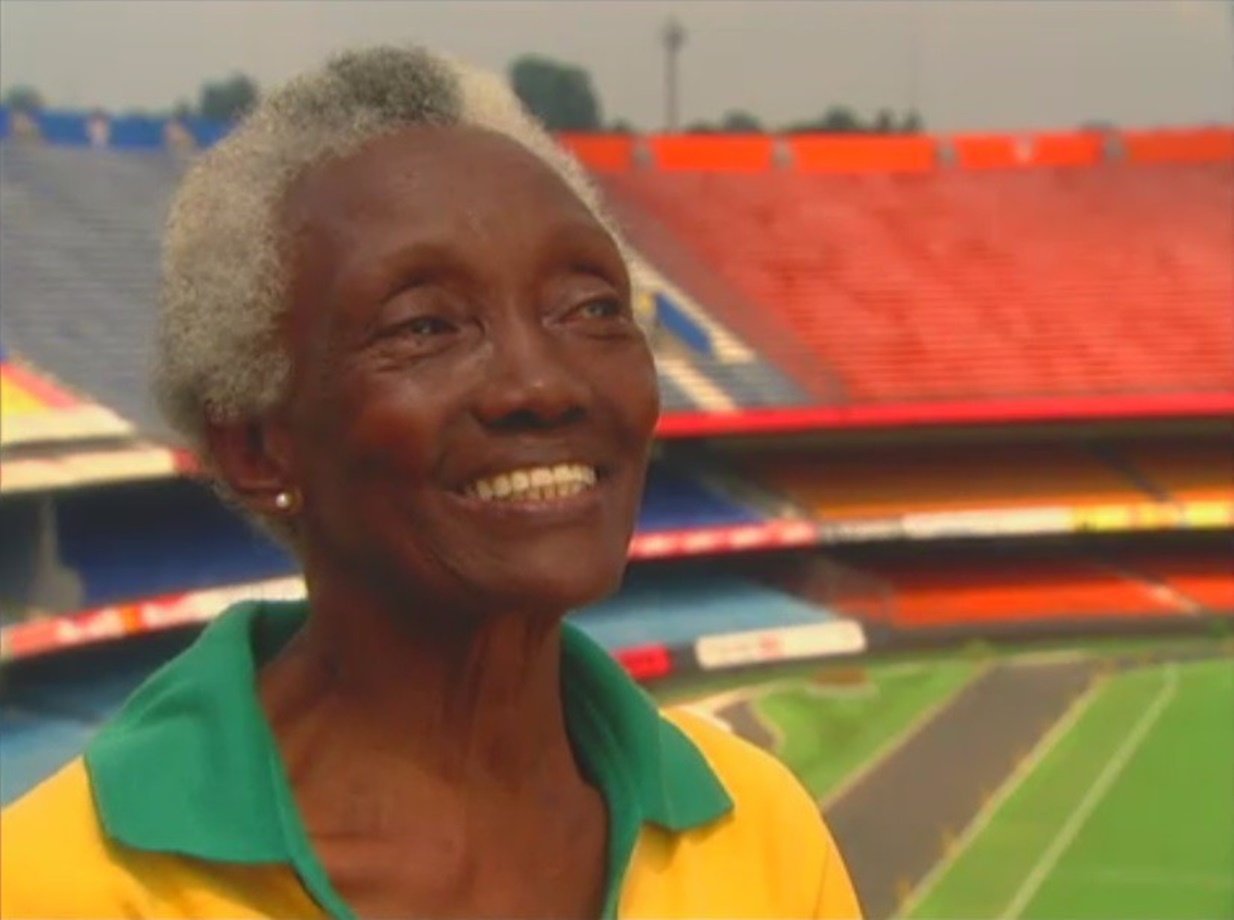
[397, 325]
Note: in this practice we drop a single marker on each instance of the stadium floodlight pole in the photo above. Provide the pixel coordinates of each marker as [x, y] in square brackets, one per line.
[914, 57]
[673, 36]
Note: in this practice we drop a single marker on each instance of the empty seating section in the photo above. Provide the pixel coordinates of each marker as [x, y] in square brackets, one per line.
[1208, 582]
[973, 591]
[890, 482]
[1203, 578]
[80, 244]
[673, 501]
[138, 541]
[34, 744]
[673, 396]
[79, 255]
[46, 717]
[710, 365]
[136, 132]
[901, 284]
[677, 605]
[64, 128]
[123, 192]
[684, 375]
[1187, 470]
[127, 132]
[749, 377]
[970, 285]
[672, 317]
[844, 589]
[753, 383]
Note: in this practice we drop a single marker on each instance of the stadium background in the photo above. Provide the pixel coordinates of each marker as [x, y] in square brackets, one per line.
[941, 510]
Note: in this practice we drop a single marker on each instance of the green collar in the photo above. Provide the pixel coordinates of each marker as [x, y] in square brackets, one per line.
[190, 765]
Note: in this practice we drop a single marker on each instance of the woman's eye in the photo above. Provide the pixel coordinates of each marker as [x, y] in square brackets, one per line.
[421, 334]
[426, 326]
[604, 308]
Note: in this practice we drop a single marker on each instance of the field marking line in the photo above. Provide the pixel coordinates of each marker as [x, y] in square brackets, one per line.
[1045, 745]
[1092, 798]
[901, 738]
[1150, 876]
[1048, 656]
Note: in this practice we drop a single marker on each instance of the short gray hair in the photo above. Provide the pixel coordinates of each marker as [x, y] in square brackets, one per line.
[225, 282]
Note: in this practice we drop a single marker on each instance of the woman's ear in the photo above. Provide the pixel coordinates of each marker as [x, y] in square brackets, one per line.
[254, 458]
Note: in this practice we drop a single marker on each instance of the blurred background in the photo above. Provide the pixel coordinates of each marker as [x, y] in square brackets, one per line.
[942, 300]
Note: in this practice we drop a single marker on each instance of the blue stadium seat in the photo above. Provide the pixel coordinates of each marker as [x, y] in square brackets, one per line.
[34, 745]
[683, 602]
[137, 132]
[673, 501]
[130, 542]
[49, 709]
[673, 398]
[754, 383]
[205, 131]
[679, 323]
[64, 127]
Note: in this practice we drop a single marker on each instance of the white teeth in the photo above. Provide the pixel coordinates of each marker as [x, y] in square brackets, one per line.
[540, 483]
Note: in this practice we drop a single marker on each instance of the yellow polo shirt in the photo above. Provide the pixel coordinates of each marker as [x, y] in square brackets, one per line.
[181, 807]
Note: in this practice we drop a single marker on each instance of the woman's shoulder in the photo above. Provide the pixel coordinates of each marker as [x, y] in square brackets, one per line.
[54, 859]
[774, 839]
[57, 860]
[747, 771]
[57, 814]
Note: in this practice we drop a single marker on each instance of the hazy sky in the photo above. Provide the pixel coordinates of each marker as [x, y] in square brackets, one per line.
[968, 65]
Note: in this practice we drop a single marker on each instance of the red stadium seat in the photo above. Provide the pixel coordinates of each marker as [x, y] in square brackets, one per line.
[962, 285]
[971, 592]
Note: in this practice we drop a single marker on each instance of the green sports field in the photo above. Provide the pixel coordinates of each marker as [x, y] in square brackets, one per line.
[857, 724]
[1122, 807]
[1128, 813]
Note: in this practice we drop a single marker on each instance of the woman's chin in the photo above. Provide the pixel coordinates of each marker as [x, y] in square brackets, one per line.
[554, 591]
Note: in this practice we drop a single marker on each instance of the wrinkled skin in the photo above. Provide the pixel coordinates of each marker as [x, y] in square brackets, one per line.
[452, 321]
[455, 312]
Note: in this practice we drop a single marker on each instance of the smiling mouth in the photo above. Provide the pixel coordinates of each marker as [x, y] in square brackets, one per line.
[534, 484]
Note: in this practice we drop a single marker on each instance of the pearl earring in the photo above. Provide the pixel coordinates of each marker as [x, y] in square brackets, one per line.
[283, 501]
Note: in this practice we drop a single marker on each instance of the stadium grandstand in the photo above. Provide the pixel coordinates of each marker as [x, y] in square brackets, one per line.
[914, 387]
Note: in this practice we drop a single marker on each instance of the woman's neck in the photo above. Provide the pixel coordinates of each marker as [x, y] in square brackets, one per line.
[430, 763]
[461, 699]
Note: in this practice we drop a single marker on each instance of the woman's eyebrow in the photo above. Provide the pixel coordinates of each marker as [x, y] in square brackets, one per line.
[582, 245]
[373, 274]
[582, 231]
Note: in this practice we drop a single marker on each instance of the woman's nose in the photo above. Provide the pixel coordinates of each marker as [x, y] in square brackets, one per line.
[529, 381]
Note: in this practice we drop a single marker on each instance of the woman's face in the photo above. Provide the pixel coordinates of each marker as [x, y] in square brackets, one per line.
[472, 403]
